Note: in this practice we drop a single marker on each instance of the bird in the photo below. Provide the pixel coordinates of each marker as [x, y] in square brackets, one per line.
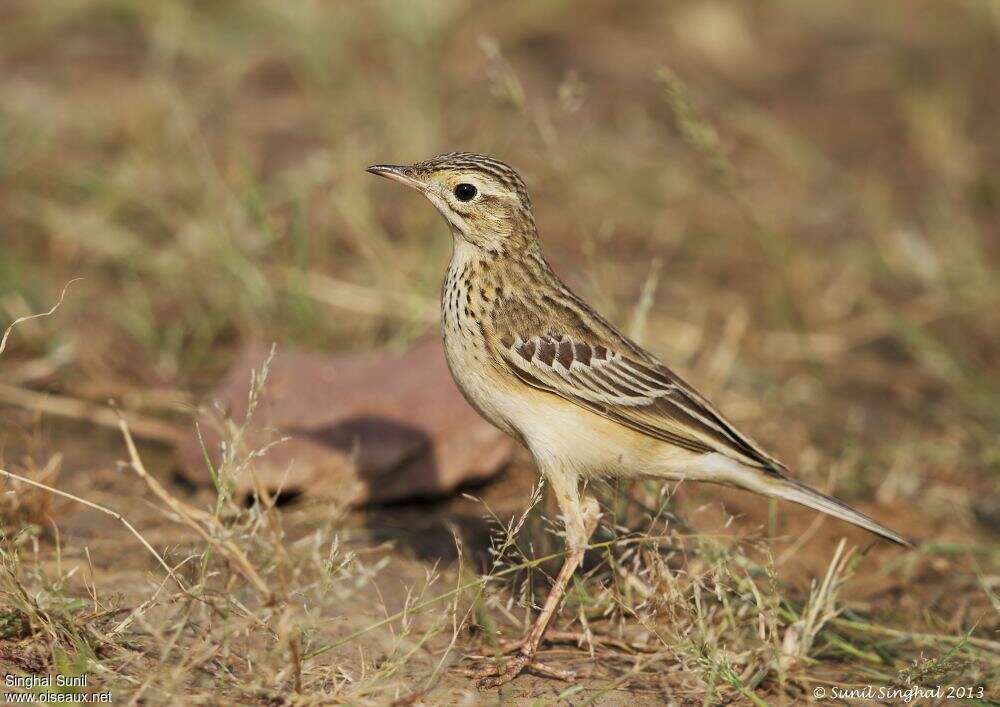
[538, 362]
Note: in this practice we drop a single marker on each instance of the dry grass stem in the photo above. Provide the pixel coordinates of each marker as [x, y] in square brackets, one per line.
[107, 511]
[29, 317]
[195, 518]
[87, 411]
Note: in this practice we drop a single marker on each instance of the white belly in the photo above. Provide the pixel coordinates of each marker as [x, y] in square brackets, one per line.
[563, 434]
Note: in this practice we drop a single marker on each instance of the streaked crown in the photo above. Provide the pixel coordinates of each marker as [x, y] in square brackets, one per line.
[482, 199]
[500, 172]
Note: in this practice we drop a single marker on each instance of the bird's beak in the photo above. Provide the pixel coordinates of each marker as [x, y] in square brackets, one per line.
[398, 172]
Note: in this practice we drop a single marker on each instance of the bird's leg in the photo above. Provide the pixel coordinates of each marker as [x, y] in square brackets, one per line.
[580, 517]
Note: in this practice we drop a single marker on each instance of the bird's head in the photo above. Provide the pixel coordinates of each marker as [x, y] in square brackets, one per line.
[483, 200]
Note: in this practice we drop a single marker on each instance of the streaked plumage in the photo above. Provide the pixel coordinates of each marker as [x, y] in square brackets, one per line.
[539, 363]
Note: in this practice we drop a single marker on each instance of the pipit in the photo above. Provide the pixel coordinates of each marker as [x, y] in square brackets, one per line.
[541, 365]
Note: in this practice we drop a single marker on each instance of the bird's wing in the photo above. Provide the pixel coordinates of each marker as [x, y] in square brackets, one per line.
[619, 383]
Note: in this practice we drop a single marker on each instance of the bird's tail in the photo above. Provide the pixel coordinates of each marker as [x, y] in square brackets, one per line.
[780, 486]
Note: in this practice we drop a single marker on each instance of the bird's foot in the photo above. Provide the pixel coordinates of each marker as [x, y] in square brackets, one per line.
[495, 675]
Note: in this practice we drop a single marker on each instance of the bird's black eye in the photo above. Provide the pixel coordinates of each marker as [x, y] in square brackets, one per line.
[465, 192]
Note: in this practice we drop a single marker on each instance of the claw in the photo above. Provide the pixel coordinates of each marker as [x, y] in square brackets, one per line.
[495, 676]
[492, 676]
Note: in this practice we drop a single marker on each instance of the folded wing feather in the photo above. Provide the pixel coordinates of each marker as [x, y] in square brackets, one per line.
[641, 394]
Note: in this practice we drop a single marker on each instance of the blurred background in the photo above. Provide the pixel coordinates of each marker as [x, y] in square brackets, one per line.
[797, 205]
